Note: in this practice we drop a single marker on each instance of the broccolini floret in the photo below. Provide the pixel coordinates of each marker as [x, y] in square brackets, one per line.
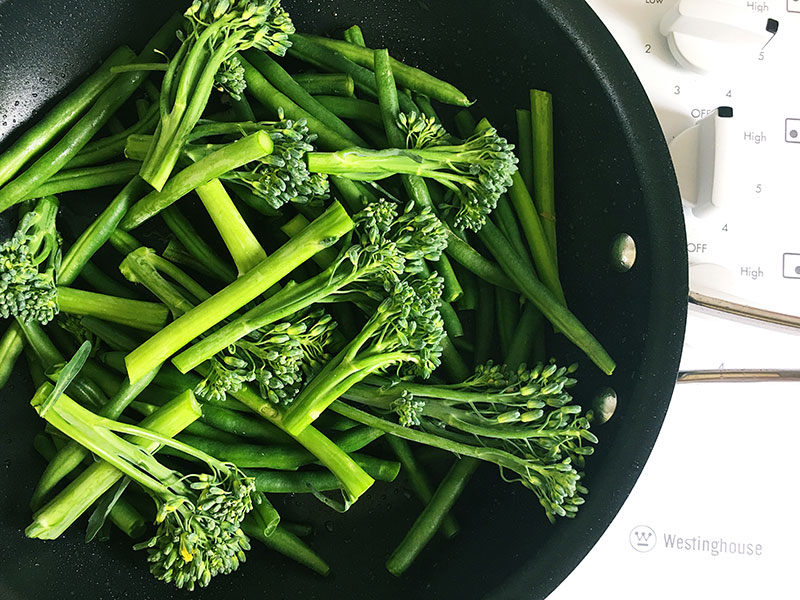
[216, 30]
[524, 421]
[476, 171]
[29, 263]
[403, 334]
[384, 246]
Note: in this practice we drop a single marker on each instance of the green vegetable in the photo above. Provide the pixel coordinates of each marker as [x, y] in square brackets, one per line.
[329, 84]
[61, 116]
[198, 516]
[407, 77]
[28, 265]
[79, 135]
[404, 332]
[216, 30]
[384, 245]
[476, 171]
[432, 516]
[323, 232]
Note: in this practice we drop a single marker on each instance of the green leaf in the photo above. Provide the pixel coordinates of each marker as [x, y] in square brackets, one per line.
[66, 374]
[103, 508]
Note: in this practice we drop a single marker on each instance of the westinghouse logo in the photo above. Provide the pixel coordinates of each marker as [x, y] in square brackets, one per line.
[643, 538]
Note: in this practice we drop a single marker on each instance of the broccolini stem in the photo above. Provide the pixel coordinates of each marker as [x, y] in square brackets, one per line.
[195, 245]
[288, 544]
[11, 346]
[61, 116]
[432, 516]
[321, 233]
[79, 135]
[407, 77]
[148, 316]
[129, 520]
[229, 157]
[72, 454]
[86, 178]
[239, 239]
[355, 481]
[543, 171]
[284, 82]
[327, 84]
[57, 515]
[263, 91]
[418, 480]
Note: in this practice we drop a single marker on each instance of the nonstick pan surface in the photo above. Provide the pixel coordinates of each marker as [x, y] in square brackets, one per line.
[613, 175]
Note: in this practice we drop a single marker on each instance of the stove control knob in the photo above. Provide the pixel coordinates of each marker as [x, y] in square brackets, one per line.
[699, 156]
[708, 35]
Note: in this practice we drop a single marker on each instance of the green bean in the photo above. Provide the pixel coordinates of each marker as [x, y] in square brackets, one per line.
[61, 116]
[430, 520]
[197, 246]
[177, 254]
[242, 110]
[469, 283]
[465, 255]
[82, 388]
[271, 98]
[426, 107]
[82, 132]
[102, 283]
[98, 151]
[535, 291]
[286, 84]
[354, 35]
[243, 426]
[266, 515]
[452, 361]
[418, 480]
[99, 231]
[525, 147]
[287, 544]
[520, 349]
[86, 178]
[543, 188]
[328, 84]
[507, 314]
[484, 323]
[310, 50]
[298, 529]
[407, 77]
[352, 108]
[452, 290]
[282, 457]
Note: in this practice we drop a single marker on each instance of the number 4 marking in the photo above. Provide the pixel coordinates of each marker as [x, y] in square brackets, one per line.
[725, 227]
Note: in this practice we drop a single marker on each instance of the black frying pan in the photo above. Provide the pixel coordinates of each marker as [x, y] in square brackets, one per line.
[613, 175]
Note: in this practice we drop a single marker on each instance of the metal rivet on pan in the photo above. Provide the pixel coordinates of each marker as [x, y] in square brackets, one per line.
[603, 406]
[623, 252]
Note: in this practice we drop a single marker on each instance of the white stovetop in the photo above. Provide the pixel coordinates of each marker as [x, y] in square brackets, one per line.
[725, 466]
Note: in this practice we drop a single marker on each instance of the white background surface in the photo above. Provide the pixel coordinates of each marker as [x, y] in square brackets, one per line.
[725, 464]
